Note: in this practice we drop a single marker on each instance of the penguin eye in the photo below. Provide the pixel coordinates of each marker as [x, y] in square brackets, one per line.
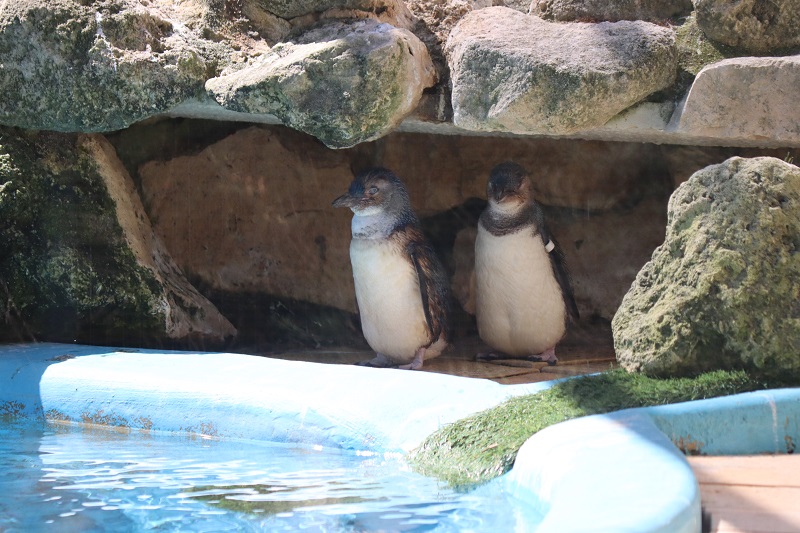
[372, 191]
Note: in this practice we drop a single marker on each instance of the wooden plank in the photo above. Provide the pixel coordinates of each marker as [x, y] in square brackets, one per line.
[757, 499]
[756, 470]
[752, 523]
[752, 494]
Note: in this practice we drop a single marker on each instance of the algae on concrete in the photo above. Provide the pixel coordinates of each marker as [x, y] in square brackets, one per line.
[483, 446]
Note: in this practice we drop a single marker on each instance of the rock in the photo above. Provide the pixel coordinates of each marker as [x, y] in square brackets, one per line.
[276, 19]
[80, 261]
[71, 66]
[585, 175]
[695, 50]
[288, 9]
[274, 29]
[747, 99]
[251, 214]
[517, 73]
[721, 292]
[754, 26]
[683, 161]
[597, 10]
[343, 82]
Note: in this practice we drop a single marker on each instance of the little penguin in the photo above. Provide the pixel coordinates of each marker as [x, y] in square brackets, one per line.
[402, 289]
[524, 299]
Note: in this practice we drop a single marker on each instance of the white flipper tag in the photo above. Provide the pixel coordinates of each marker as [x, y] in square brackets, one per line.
[550, 246]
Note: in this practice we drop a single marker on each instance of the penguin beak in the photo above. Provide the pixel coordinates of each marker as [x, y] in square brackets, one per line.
[498, 195]
[345, 200]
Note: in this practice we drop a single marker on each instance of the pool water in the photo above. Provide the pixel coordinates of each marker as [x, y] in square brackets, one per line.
[66, 478]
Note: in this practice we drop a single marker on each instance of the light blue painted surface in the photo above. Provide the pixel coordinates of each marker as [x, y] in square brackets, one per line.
[617, 472]
[241, 396]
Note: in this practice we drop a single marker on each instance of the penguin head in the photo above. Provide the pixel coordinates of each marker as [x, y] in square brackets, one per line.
[375, 191]
[509, 187]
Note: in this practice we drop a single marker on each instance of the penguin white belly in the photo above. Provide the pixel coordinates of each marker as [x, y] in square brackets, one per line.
[519, 304]
[389, 300]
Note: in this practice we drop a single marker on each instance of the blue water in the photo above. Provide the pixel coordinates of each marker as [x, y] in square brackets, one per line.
[64, 478]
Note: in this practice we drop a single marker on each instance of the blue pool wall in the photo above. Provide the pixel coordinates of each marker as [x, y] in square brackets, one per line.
[617, 472]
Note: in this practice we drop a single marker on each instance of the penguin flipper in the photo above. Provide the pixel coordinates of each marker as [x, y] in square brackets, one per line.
[562, 275]
[432, 288]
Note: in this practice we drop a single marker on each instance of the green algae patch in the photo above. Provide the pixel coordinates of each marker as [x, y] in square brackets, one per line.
[483, 446]
[721, 292]
[66, 270]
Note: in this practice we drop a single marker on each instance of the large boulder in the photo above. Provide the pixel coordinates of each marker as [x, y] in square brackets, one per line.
[611, 11]
[754, 26]
[343, 82]
[746, 99]
[723, 290]
[78, 258]
[88, 67]
[517, 73]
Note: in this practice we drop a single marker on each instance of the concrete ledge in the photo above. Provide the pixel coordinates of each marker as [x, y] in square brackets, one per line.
[607, 473]
[617, 472]
[239, 396]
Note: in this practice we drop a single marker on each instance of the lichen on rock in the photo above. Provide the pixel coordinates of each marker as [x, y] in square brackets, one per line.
[88, 67]
[723, 290]
[343, 82]
[518, 73]
[753, 26]
[72, 265]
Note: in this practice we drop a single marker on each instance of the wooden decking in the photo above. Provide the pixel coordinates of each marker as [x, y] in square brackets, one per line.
[753, 494]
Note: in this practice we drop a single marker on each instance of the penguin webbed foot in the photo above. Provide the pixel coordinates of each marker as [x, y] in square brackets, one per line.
[381, 361]
[416, 363]
[548, 356]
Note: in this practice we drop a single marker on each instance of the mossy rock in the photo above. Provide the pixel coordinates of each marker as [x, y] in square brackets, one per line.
[78, 261]
[342, 82]
[66, 271]
[91, 66]
[723, 290]
[695, 50]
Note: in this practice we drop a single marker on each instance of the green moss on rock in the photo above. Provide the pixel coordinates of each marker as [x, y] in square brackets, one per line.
[342, 82]
[485, 445]
[86, 68]
[66, 271]
[695, 50]
[722, 292]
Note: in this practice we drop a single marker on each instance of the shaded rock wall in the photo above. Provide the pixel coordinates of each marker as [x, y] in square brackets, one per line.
[78, 257]
[250, 213]
[242, 212]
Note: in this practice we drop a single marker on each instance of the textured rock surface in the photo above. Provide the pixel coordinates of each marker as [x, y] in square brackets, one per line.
[79, 261]
[69, 66]
[517, 73]
[252, 212]
[295, 8]
[343, 82]
[612, 11]
[754, 26]
[722, 290]
[748, 97]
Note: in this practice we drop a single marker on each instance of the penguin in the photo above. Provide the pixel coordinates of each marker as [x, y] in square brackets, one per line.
[524, 299]
[402, 289]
